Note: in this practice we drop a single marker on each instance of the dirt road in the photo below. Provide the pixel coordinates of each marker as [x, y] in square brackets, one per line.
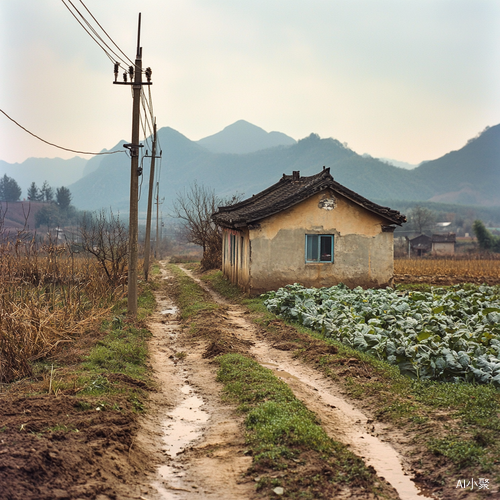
[100, 444]
[197, 441]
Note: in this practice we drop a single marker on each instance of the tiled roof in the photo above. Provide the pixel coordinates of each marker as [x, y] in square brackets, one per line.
[444, 238]
[287, 192]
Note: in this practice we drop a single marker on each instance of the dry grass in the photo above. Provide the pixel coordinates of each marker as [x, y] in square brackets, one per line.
[463, 268]
[48, 297]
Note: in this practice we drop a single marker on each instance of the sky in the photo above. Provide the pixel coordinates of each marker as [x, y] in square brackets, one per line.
[404, 79]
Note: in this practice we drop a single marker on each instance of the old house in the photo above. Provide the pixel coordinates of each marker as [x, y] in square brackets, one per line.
[420, 245]
[309, 230]
[444, 243]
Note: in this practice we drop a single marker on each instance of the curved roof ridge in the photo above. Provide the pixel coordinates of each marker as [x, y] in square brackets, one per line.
[289, 191]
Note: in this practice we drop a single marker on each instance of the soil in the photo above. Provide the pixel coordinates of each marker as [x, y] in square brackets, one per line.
[445, 280]
[50, 448]
[190, 442]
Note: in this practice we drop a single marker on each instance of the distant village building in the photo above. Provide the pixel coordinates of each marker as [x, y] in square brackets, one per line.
[420, 245]
[444, 244]
[308, 230]
[437, 244]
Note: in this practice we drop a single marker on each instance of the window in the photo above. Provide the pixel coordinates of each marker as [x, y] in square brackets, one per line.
[241, 252]
[319, 248]
[232, 249]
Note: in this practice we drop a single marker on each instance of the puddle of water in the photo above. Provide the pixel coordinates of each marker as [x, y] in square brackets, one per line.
[184, 423]
[278, 372]
[182, 426]
[172, 483]
[380, 455]
[172, 310]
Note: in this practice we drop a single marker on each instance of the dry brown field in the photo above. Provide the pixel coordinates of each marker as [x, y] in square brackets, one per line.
[48, 298]
[451, 271]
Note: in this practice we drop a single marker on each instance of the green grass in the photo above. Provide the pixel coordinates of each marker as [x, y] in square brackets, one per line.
[122, 350]
[474, 410]
[460, 451]
[191, 298]
[279, 424]
[223, 286]
[155, 269]
[146, 304]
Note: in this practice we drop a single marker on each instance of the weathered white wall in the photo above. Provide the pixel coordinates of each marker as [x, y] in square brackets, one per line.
[443, 248]
[363, 254]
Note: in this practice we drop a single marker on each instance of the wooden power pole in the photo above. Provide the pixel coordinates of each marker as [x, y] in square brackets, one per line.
[157, 202]
[147, 249]
[135, 72]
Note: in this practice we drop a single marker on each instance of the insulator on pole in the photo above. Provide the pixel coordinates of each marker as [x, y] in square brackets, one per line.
[131, 72]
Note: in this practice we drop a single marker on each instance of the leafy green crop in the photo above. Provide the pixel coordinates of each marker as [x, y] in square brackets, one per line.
[446, 334]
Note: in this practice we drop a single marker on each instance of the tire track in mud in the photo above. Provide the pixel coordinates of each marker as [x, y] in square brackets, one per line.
[340, 419]
[195, 442]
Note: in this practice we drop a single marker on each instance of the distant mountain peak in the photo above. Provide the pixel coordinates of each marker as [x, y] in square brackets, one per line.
[242, 137]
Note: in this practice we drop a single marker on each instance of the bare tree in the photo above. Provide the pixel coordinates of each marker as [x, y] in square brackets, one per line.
[106, 237]
[421, 218]
[195, 207]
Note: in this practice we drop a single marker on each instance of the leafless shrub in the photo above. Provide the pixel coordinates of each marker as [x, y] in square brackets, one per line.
[195, 207]
[106, 237]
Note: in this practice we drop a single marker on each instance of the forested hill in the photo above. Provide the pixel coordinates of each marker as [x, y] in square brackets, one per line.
[473, 171]
[242, 137]
[184, 162]
[470, 175]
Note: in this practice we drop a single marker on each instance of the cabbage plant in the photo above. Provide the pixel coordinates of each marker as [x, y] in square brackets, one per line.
[445, 334]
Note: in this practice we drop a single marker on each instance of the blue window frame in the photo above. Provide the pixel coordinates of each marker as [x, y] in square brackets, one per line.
[319, 247]
[232, 249]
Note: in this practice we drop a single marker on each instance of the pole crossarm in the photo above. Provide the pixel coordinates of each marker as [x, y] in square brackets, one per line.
[132, 83]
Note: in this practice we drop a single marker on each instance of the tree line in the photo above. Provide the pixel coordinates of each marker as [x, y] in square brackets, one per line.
[58, 209]
[10, 191]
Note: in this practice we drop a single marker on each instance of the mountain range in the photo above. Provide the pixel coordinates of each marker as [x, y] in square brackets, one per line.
[244, 158]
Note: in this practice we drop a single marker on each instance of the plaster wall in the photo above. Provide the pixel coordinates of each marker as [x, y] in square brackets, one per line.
[237, 271]
[363, 254]
[443, 248]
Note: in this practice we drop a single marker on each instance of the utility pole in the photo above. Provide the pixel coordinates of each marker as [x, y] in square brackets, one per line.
[135, 72]
[150, 203]
[157, 215]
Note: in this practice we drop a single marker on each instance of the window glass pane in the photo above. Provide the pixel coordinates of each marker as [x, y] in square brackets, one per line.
[326, 248]
[312, 247]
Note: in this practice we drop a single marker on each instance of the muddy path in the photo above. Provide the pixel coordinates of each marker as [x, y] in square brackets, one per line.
[197, 441]
[194, 440]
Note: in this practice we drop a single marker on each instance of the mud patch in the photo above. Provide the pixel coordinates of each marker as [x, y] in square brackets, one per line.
[64, 447]
[195, 440]
[225, 345]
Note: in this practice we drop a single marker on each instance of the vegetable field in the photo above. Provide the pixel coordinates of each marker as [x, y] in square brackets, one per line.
[445, 334]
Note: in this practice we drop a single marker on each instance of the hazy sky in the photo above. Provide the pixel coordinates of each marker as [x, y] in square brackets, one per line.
[403, 79]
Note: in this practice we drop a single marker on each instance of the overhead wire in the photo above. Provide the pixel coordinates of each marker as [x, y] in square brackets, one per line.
[147, 123]
[55, 145]
[104, 31]
[107, 52]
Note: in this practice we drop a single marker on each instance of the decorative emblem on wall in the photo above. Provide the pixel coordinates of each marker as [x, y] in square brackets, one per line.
[327, 203]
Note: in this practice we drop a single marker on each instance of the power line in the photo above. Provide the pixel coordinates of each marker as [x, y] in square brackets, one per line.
[116, 56]
[55, 145]
[104, 31]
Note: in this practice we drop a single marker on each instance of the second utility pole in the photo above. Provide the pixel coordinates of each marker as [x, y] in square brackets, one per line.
[147, 245]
